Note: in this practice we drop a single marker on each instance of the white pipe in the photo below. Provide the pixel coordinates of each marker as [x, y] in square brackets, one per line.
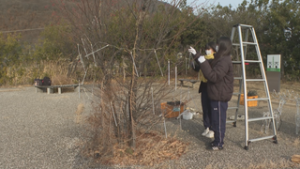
[169, 72]
[186, 66]
[175, 77]
[152, 101]
[158, 63]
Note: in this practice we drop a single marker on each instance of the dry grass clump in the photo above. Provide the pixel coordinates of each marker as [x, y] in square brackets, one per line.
[296, 159]
[78, 113]
[152, 148]
[209, 166]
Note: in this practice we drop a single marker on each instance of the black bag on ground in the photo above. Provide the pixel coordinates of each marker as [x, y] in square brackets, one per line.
[46, 81]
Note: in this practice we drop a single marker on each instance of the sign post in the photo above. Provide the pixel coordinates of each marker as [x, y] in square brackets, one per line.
[274, 72]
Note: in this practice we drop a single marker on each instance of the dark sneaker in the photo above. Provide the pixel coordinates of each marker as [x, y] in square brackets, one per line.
[215, 148]
[212, 144]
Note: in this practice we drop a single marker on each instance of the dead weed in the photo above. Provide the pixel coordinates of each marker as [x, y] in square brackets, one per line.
[296, 159]
[151, 148]
[78, 113]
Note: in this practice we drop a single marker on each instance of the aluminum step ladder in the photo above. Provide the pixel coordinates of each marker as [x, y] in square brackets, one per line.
[242, 45]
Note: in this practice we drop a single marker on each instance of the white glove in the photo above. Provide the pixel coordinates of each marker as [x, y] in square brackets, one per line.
[201, 59]
[192, 50]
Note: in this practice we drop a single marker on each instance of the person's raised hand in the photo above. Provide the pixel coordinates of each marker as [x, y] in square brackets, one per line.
[201, 59]
[192, 50]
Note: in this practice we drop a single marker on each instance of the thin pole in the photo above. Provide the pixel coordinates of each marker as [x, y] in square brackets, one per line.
[186, 66]
[175, 77]
[297, 116]
[158, 63]
[180, 107]
[165, 128]
[180, 96]
[152, 101]
[79, 89]
[169, 72]
[112, 108]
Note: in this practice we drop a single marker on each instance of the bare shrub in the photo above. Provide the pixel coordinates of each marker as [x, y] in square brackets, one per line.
[135, 38]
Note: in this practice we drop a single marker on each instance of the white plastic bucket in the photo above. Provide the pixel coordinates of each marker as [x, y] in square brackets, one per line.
[187, 115]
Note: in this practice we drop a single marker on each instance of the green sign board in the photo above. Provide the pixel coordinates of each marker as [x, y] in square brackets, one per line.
[273, 63]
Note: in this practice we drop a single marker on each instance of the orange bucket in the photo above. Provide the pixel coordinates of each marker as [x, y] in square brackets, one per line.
[250, 103]
[168, 110]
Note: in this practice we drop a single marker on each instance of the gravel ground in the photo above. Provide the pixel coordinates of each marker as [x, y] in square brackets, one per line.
[38, 130]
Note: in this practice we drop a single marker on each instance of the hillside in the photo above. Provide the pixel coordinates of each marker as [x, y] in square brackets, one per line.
[32, 15]
[27, 14]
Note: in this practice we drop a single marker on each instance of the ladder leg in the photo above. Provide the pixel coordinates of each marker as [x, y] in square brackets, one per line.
[244, 85]
[246, 40]
[238, 102]
[262, 69]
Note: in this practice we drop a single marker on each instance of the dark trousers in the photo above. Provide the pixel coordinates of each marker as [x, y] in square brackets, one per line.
[206, 108]
[218, 110]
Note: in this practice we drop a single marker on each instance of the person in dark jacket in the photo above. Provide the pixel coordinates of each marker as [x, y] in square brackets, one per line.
[210, 50]
[219, 74]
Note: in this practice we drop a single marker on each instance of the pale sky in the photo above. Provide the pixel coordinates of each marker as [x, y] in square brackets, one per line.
[234, 3]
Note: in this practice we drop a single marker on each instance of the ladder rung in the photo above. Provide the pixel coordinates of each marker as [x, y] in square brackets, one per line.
[237, 78]
[260, 118]
[230, 108]
[236, 62]
[236, 93]
[237, 44]
[230, 121]
[261, 138]
[255, 80]
[246, 61]
[258, 99]
[250, 43]
[243, 25]
[244, 43]
[252, 61]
